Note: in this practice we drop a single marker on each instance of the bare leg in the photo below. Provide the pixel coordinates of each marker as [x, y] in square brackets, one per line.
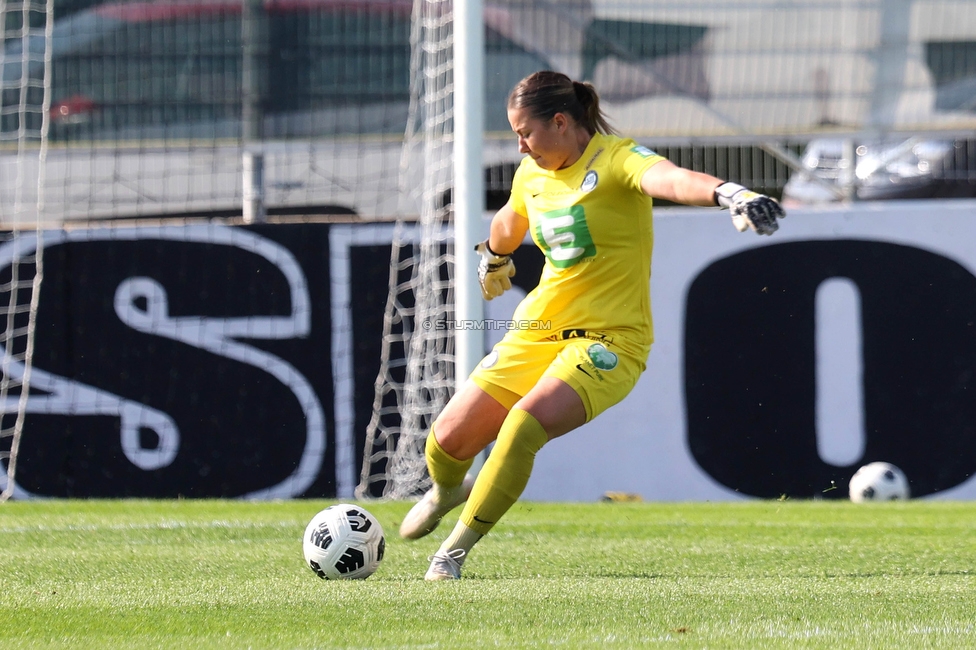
[551, 409]
[556, 405]
[469, 423]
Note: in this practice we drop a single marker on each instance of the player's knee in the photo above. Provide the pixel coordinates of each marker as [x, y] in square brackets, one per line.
[521, 434]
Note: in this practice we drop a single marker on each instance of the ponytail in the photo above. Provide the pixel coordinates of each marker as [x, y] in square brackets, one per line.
[593, 118]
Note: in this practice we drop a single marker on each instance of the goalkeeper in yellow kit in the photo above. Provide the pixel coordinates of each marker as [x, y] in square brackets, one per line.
[584, 195]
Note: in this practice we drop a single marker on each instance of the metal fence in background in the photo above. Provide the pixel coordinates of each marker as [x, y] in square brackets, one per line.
[155, 104]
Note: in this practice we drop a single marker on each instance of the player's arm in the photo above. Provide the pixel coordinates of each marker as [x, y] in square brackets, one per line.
[496, 268]
[507, 230]
[665, 180]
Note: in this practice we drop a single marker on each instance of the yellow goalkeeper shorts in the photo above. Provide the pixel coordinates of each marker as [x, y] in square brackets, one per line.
[601, 368]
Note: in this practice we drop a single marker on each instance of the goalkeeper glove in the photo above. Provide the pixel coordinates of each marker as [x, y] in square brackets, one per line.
[494, 271]
[749, 209]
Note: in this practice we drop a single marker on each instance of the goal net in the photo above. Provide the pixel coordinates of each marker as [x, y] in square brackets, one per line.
[416, 376]
[24, 104]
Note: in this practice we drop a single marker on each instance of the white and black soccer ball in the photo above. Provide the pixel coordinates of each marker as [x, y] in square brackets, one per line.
[343, 542]
[878, 482]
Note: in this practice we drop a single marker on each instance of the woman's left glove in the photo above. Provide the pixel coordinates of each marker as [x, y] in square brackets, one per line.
[749, 209]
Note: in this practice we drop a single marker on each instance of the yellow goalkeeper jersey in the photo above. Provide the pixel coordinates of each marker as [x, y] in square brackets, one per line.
[594, 225]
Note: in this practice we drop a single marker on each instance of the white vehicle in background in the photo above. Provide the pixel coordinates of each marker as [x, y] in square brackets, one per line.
[893, 168]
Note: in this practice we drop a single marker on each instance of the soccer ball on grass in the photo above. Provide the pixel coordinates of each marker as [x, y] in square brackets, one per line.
[878, 482]
[343, 542]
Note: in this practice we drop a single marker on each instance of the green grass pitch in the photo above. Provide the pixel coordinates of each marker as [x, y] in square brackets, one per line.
[757, 574]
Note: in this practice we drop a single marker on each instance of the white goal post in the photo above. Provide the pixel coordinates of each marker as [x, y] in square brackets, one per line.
[469, 183]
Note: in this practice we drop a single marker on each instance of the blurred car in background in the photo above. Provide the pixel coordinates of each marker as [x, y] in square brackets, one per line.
[889, 168]
[147, 111]
[147, 114]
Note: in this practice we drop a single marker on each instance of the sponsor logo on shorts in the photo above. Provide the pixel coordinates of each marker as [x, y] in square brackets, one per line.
[490, 360]
[579, 366]
[589, 181]
[601, 357]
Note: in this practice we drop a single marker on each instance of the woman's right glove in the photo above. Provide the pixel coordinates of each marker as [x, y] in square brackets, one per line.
[494, 271]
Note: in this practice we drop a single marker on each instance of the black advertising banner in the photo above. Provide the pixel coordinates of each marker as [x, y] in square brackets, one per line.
[207, 360]
[187, 360]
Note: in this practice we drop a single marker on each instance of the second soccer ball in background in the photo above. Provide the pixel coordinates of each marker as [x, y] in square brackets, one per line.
[878, 481]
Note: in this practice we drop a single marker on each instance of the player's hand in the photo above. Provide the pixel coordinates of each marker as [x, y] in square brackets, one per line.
[494, 271]
[750, 209]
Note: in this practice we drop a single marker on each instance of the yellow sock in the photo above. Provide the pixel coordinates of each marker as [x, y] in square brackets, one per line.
[506, 472]
[445, 470]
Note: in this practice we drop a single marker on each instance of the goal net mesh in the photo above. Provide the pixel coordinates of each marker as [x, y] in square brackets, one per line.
[416, 376]
[24, 102]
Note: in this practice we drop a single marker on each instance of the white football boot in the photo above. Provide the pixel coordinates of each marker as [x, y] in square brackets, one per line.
[445, 565]
[427, 513]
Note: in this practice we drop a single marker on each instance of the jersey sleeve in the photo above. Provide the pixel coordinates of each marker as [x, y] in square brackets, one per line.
[632, 160]
[517, 199]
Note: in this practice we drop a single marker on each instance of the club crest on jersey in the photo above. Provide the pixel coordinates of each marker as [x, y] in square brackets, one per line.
[490, 360]
[589, 181]
[601, 357]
